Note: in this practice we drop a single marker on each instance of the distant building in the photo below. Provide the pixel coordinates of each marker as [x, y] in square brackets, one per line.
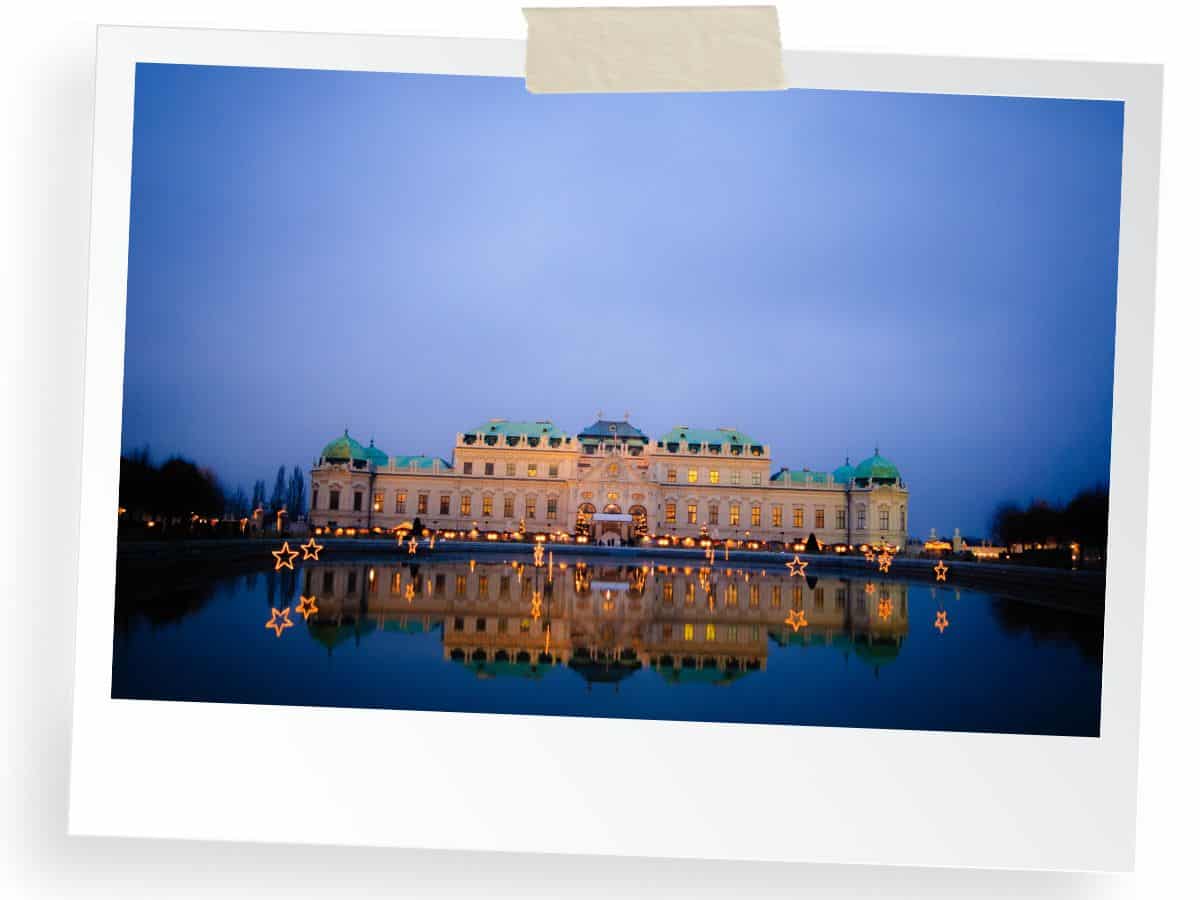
[611, 483]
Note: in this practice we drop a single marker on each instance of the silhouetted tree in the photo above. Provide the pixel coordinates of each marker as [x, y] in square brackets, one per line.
[259, 497]
[1083, 520]
[279, 492]
[295, 493]
[811, 545]
[237, 505]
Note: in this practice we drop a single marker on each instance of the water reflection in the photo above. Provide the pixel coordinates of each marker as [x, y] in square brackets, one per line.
[606, 622]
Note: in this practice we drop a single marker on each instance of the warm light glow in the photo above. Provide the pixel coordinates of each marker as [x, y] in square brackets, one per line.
[284, 556]
[870, 587]
[306, 607]
[941, 622]
[884, 609]
[280, 619]
[797, 565]
[412, 546]
[885, 561]
[940, 570]
[312, 549]
[795, 618]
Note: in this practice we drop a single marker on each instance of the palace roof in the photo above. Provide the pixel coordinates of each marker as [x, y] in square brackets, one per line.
[422, 462]
[344, 448]
[506, 428]
[609, 428]
[803, 476]
[695, 438]
[876, 468]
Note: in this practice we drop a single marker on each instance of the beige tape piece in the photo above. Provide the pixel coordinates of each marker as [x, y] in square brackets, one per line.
[633, 50]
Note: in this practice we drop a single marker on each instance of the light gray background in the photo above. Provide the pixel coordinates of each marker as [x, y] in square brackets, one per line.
[47, 174]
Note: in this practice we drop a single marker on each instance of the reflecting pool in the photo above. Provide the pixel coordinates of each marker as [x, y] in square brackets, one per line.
[637, 640]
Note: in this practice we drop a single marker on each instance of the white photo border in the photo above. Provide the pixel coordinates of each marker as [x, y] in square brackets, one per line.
[607, 786]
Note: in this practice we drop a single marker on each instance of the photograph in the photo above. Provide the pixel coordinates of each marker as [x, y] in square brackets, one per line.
[785, 408]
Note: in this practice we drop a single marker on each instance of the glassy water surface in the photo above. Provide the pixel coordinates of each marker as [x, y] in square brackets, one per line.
[644, 641]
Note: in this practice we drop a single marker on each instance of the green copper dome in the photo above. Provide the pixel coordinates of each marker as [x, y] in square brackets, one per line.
[376, 456]
[876, 469]
[344, 449]
[843, 473]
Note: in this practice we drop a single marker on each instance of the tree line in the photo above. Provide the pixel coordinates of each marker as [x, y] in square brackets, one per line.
[1082, 520]
[179, 488]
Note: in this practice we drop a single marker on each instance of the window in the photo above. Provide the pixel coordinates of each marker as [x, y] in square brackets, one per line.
[314, 503]
[531, 507]
[797, 597]
[439, 584]
[531, 470]
[508, 507]
[755, 593]
[611, 469]
[689, 594]
[862, 517]
[735, 514]
[714, 514]
[335, 499]
[689, 632]
[401, 500]
[756, 478]
[667, 631]
[670, 510]
[505, 588]
[487, 504]
[776, 596]
[839, 519]
[397, 585]
[819, 518]
[714, 477]
[458, 624]
[489, 468]
[903, 520]
[351, 582]
[502, 626]
[553, 470]
[422, 504]
[464, 505]
[481, 587]
[377, 502]
[671, 475]
[358, 501]
[797, 516]
[884, 519]
[819, 598]
[481, 624]
[735, 477]
[755, 515]
[460, 585]
[731, 594]
[552, 508]
[692, 476]
[691, 513]
[776, 516]
[510, 469]
[839, 599]
[668, 593]
[444, 505]
[710, 632]
[468, 468]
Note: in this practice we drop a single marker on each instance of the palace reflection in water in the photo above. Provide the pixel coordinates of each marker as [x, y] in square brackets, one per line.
[688, 623]
[639, 639]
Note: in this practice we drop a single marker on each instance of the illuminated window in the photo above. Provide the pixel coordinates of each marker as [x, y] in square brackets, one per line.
[358, 497]
[670, 514]
[735, 477]
[464, 505]
[692, 476]
[531, 470]
[689, 632]
[776, 596]
[776, 516]
[481, 587]
[460, 585]
[510, 469]
[819, 517]
[689, 594]
[554, 470]
[755, 515]
[714, 514]
[397, 586]
[422, 504]
[531, 507]
[335, 499]
[710, 632]
[552, 508]
[487, 504]
[508, 507]
[401, 501]
[731, 594]
[714, 477]
[797, 596]
[691, 513]
[525, 626]
[612, 470]
[797, 516]
[735, 514]
[839, 519]
[668, 593]
[884, 519]
[489, 468]
[671, 475]
[444, 505]
[377, 501]
[754, 595]
[468, 468]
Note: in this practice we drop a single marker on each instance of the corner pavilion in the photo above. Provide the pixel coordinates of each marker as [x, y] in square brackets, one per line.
[611, 484]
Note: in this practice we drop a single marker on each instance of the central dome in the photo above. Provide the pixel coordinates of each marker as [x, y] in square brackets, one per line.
[877, 470]
[343, 449]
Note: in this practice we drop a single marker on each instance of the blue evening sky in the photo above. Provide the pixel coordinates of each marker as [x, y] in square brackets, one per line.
[410, 255]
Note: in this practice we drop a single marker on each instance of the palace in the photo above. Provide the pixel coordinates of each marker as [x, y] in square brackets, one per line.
[610, 483]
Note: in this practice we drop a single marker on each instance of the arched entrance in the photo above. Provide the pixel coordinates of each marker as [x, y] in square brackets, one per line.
[612, 525]
[583, 519]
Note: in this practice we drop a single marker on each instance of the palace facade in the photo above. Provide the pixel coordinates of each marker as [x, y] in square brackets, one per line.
[610, 483]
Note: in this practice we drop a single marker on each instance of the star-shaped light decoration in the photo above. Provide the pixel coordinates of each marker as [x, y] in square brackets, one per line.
[795, 618]
[412, 546]
[885, 609]
[311, 549]
[538, 553]
[307, 606]
[942, 622]
[797, 565]
[868, 555]
[284, 556]
[870, 587]
[885, 561]
[535, 605]
[940, 570]
[280, 620]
